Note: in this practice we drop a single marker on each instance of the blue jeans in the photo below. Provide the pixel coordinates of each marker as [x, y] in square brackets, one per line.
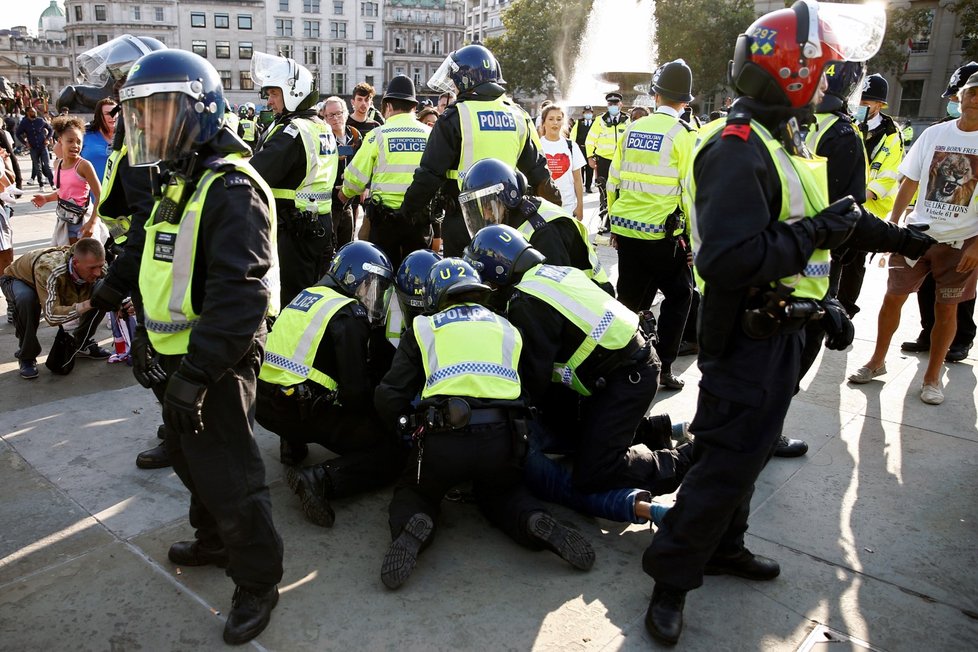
[41, 165]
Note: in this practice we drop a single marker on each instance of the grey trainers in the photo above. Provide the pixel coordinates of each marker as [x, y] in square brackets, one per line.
[865, 374]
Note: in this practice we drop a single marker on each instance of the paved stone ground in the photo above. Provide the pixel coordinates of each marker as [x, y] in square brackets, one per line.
[875, 530]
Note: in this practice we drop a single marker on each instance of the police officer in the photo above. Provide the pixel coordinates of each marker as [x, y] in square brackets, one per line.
[314, 385]
[387, 160]
[579, 133]
[584, 340]
[482, 123]
[779, 236]
[462, 358]
[248, 127]
[648, 220]
[206, 282]
[124, 206]
[297, 157]
[494, 193]
[600, 146]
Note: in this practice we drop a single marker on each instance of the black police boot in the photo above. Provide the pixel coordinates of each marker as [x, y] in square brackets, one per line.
[193, 553]
[154, 458]
[655, 432]
[664, 618]
[743, 564]
[402, 556]
[161, 431]
[250, 613]
[919, 345]
[291, 454]
[311, 484]
[568, 544]
[790, 447]
[669, 380]
[957, 352]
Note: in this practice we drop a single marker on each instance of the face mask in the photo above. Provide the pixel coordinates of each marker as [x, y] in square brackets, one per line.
[614, 110]
[954, 109]
[861, 113]
[588, 116]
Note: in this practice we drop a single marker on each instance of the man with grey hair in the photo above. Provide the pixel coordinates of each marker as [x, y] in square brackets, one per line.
[348, 139]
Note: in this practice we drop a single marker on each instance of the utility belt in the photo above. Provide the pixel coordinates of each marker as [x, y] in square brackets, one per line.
[674, 221]
[305, 398]
[636, 353]
[306, 224]
[378, 213]
[777, 313]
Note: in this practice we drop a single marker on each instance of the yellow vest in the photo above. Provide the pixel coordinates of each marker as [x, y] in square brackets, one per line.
[166, 270]
[804, 193]
[394, 324]
[315, 191]
[550, 212]
[884, 175]
[290, 352]
[248, 130]
[644, 182]
[490, 129]
[387, 160]
[603, 320]
[467, 350]
[113, 208]
[603, 138]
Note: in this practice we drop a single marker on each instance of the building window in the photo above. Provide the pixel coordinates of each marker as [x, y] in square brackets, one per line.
[247, 84]
[99, 12]
[370, 31]
[310, 55]
[910, 100]
[137, 13]
[283, 27]
[339, 83]
[369, 79]
[283, 5]
[418, 45]
[222, 49]
[79, 40]
[244, 22]
[245, 49]
[338, 7]
[398, 70]
[337, 56]
[226, 79]
[200, 47]
[310, 28]
[310, 6]
[398, 45]
[198, 20]
[222, 21]
[78, 13]
[369, 59]
[337, 29]
[285, 50]
[436, 46]
[99, 40]
[920, 42]
[417, 77]
[369, 8]
[159, 17]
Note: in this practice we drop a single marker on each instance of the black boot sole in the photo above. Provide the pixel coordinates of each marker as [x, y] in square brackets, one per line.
[259, 627]
[402, 556]
[568, 544]
[314, 505]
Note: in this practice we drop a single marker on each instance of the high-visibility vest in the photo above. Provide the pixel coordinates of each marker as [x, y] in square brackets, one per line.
[645, 178]
[387, 160]
[823, 123]
[166, 270]
[548, 212]
[604, 321]
[315, 191]
[468, 350]
[603, 138]
[394, 324]
[490, 129]
[290, 352]
[248, 130]
[804, 193]
[884, 175]
[112, 206]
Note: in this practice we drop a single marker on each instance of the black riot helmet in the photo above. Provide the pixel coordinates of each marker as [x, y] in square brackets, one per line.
[447, 279]
[410, 281]
[362, 271]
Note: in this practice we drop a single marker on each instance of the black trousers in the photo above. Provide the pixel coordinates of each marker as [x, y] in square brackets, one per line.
[850, 280]
[744, 396]
[603, 167]
[647, 266]
[483, 454]
[926, 296]
[27, 318]
[689, 332]
[343, 222]
[370, 456]
[303, 258]
[588, 175]
[397, 238]
[230, 505]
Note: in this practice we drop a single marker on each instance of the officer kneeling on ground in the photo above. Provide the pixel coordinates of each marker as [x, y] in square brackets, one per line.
[207, 282]
[314, 386]
[462, 359]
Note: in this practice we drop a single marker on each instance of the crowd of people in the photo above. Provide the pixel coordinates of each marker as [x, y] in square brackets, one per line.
[467, 331]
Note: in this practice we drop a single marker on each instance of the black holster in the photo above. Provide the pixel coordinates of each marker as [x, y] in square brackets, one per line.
[306, 224]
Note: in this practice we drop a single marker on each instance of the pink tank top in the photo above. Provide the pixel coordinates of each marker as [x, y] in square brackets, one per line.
[71, 186]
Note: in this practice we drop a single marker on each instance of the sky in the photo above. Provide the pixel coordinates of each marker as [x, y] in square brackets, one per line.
[23, 12]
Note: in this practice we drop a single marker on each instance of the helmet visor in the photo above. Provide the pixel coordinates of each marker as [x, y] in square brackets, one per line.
[441, 81]
[270, 71]
[374, 292]
[482, 207]
[111, 59]
[159, 127]
[855, 31]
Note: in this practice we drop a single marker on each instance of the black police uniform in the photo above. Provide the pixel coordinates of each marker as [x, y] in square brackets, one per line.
[303, 253]
[583, 127]
[602, 426]
[346, 424]
[221, 466]
[442, 155]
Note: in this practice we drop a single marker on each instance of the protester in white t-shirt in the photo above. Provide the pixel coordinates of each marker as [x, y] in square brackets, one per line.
[564, 159]
[943, 166]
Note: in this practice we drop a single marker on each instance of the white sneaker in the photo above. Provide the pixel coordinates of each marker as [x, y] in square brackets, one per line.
[931, 394]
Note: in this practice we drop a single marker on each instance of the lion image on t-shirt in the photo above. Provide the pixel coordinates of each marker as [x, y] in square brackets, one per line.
[952, 178]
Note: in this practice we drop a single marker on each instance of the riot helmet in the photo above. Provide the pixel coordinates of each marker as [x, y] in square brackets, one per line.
[410, 281]
[363, 272]
[501, 254]
[295, 81]
[489, 189]
[172, 103]
[113, 59]
[448, 278]
[845, 83]
[466, 69]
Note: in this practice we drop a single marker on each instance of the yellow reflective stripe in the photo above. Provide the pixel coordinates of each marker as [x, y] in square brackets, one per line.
[283, 193]
[184, 248]
[796, 194]
[652, 170]
[652, 188]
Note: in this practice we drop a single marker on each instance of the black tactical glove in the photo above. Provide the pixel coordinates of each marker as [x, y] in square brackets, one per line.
[833, 226]
[915, 242]
[882, 236]
[145, 362]
[105, 297]
[838, 328]
[184, 400]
